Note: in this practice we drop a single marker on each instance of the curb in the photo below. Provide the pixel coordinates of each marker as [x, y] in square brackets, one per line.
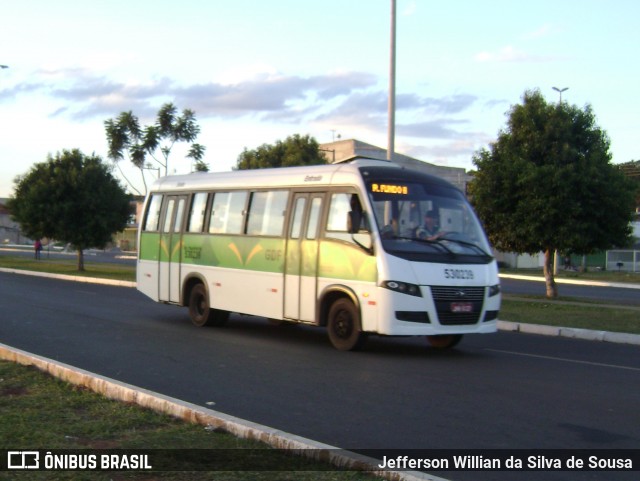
[570, 332]
[66, 277]
[195, 414]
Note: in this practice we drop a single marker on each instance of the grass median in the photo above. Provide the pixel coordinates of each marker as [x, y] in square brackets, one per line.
[44, 413]
[69, 266]
[568, 312]
[572, 312]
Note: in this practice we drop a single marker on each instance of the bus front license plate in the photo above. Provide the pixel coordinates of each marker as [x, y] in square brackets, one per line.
[461, 307]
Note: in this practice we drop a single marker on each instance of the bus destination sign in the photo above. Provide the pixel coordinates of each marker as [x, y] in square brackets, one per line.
[390, 189]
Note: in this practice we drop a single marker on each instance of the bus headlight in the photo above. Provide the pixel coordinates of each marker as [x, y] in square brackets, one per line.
[494, 290]
[403, 287]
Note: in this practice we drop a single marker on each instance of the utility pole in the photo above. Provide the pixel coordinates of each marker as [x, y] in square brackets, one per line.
[392, 87]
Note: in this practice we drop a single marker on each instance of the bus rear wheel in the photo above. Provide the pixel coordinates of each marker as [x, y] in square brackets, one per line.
[200, 311]
[444, 341]
[343, 326]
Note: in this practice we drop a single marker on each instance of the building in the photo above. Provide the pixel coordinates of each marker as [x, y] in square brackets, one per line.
[9, 230]
[344, 150]
[128, 238]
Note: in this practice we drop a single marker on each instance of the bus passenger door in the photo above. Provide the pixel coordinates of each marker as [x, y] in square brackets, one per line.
[170, 248]
[301, 270]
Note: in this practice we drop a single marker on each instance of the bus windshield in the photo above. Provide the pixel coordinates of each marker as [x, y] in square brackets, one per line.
[430, 222]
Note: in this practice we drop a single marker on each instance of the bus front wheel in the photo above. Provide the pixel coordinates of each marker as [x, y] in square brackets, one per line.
[200, 311]
[444, 341]
[343, 326]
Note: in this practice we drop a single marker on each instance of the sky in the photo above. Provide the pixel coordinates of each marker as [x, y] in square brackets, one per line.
[256, 72]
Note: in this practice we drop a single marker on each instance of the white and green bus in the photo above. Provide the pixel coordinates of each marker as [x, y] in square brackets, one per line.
[341, 246]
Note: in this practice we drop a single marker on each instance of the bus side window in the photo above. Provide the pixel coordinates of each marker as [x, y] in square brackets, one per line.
[227, 213]
[177, 225]
[198, 208]
[338, 220]
[338, 208]
[168, 215]
[314, 218]
[298, 215]
[267, 212]
[152, 219]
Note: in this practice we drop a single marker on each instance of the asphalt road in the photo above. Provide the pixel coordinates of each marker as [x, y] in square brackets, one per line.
[508, 390]
[621, 295]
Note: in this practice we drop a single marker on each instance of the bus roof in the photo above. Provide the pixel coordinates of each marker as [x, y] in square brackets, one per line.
[344, 173]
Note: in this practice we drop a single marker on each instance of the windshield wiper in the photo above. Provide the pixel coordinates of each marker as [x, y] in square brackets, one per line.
[426, 241]
[438, 242]
[466, 244]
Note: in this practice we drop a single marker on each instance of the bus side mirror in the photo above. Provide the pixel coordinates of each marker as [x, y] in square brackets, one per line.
[363, 239]
[354, 219]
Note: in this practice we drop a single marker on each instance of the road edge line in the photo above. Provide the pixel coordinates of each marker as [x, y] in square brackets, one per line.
[67, 277]
[580, 282]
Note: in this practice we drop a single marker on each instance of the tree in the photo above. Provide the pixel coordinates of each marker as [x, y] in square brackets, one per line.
[632, 170]
[548, 184]
[72, 198]
[126, 138]
[295, 150]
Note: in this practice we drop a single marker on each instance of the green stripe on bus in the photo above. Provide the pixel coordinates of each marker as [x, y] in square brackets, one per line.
[337, 259]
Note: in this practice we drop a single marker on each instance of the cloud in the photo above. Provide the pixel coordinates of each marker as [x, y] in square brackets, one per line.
[370, 105]
[432, 129]
[491, 103]
[360, 110]
[25, 88]
[410, 9]
[416, 116]
[274, 95]
[541, 32]
[510, 54]
[351, 100]
[86, 95]
[457, 151]
[451, 104]
[442, 152]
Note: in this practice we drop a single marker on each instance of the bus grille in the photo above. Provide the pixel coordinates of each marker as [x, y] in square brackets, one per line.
[446, 297]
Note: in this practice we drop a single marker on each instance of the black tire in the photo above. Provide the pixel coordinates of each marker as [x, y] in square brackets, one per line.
[343, 326]
[444, 341]
[201, 313]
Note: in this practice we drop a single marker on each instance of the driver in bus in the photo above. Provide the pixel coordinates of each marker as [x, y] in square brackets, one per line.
[430, 230]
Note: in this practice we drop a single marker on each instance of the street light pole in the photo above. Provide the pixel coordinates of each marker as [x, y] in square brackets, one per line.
[555, 254]
[392, 86]
[560, 92]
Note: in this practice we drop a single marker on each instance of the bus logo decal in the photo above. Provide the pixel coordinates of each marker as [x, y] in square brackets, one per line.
[256, 249]
[170, 256]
